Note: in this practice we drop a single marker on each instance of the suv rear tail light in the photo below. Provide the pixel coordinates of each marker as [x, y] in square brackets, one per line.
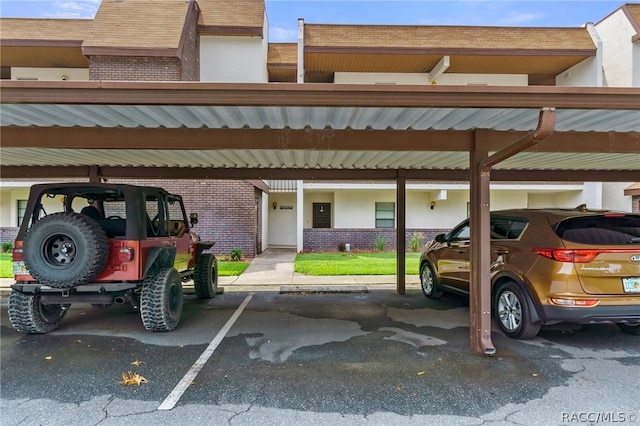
[586, 303]
[576, 255]
[125, 254]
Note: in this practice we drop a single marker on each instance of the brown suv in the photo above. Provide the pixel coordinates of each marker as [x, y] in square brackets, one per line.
[547, 266]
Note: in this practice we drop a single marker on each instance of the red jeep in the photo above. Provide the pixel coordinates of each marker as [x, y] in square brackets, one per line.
[102, 244]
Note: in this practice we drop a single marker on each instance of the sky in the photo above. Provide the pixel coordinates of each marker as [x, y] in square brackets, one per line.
[283, 14]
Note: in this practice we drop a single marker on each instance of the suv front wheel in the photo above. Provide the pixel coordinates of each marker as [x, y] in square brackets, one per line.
[511, 309]
[161, 300]
[428, 282]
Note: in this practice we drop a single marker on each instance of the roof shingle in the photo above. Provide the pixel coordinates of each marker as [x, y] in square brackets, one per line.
[45, 30]
[447, 37]
[138, 24]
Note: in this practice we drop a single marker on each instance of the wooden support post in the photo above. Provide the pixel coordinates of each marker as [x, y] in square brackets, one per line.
[401, 204]
[480, 249]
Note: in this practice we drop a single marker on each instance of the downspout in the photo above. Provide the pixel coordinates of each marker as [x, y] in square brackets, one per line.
[300, 67]
[593, 32]
[546, 125]
[480, 288]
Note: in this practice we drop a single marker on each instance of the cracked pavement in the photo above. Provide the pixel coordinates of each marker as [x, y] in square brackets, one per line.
[351, 359]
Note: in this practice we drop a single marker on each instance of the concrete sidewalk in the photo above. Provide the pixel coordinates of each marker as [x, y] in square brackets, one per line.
[274, 268]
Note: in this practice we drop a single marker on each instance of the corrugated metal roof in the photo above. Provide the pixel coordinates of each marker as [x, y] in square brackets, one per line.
[309, 159]
[292, 117]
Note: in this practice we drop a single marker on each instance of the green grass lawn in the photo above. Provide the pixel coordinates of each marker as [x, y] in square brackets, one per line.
[231, 269]
[6, 265]
[225, 269]
[379, 263]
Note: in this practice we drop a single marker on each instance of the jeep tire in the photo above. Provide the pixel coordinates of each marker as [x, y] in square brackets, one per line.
[205, 276]
[161, 299]
[27, 314]
[63, 250]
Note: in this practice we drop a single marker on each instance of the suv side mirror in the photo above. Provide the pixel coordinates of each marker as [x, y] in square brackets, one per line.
[193, 218]
[441, 238]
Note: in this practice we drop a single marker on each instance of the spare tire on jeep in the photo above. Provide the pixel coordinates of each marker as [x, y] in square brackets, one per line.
[63, 250]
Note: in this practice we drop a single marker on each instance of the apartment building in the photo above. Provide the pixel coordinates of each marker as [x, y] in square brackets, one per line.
[227, 42]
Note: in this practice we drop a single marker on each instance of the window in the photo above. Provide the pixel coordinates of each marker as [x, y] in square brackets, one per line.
[385, 215]
[22, 208]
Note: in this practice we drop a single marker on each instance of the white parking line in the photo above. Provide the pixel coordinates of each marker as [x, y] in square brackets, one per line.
[188, 378]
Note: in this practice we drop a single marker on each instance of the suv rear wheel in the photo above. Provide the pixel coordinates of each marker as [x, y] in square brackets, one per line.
[511, 308]
[630, 327]
[161, 300]
[205, 276]
[27, 314]
[63, 250]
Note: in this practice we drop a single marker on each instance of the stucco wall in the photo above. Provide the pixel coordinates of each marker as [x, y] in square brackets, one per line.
[50, 74]
[616, 32]
[233, 59]
[584, 74]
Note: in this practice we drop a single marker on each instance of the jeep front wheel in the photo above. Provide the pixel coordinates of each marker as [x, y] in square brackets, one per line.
[65, 249]
[161, 300]
[28, 314]
[205, 276]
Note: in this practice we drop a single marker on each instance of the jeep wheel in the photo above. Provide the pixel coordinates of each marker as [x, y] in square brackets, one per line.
[27, 314]
[161, 300]
[205, 276]
[65, 249]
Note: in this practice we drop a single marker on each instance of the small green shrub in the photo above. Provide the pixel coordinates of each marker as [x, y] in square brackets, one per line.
[416, 241]
[7, 247]
[235, 254]
[380, 242]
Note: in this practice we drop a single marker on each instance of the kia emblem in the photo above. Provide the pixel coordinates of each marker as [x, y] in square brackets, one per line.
[635, 258]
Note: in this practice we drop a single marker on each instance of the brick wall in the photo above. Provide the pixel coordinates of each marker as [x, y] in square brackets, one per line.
[8, 234]
[315, 239]
[228, 211]
[134, 68]
[191, 48]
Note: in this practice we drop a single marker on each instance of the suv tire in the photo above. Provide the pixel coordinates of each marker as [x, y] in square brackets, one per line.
[63, 250]
[27, 314]
[630, 327]
[161, 300]
[429, 282]
[205, 276]
[511, 308]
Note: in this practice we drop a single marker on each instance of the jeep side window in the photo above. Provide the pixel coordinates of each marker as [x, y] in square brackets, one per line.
[154, 216]
[177, 219]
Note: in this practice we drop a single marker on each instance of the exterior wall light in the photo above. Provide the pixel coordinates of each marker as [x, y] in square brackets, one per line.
[433, 204]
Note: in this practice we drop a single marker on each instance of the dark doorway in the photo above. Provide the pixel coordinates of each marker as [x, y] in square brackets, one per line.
[322, 215]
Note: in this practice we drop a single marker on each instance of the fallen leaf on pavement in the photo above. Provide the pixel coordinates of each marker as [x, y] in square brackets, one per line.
[129, 379]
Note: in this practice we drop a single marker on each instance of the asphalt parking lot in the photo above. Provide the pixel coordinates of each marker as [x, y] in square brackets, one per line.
[353, 359]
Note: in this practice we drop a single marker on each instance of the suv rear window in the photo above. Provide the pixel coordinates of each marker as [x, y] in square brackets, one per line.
[601, 230]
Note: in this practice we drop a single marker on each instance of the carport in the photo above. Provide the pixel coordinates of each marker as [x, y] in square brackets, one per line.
[103, 129]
